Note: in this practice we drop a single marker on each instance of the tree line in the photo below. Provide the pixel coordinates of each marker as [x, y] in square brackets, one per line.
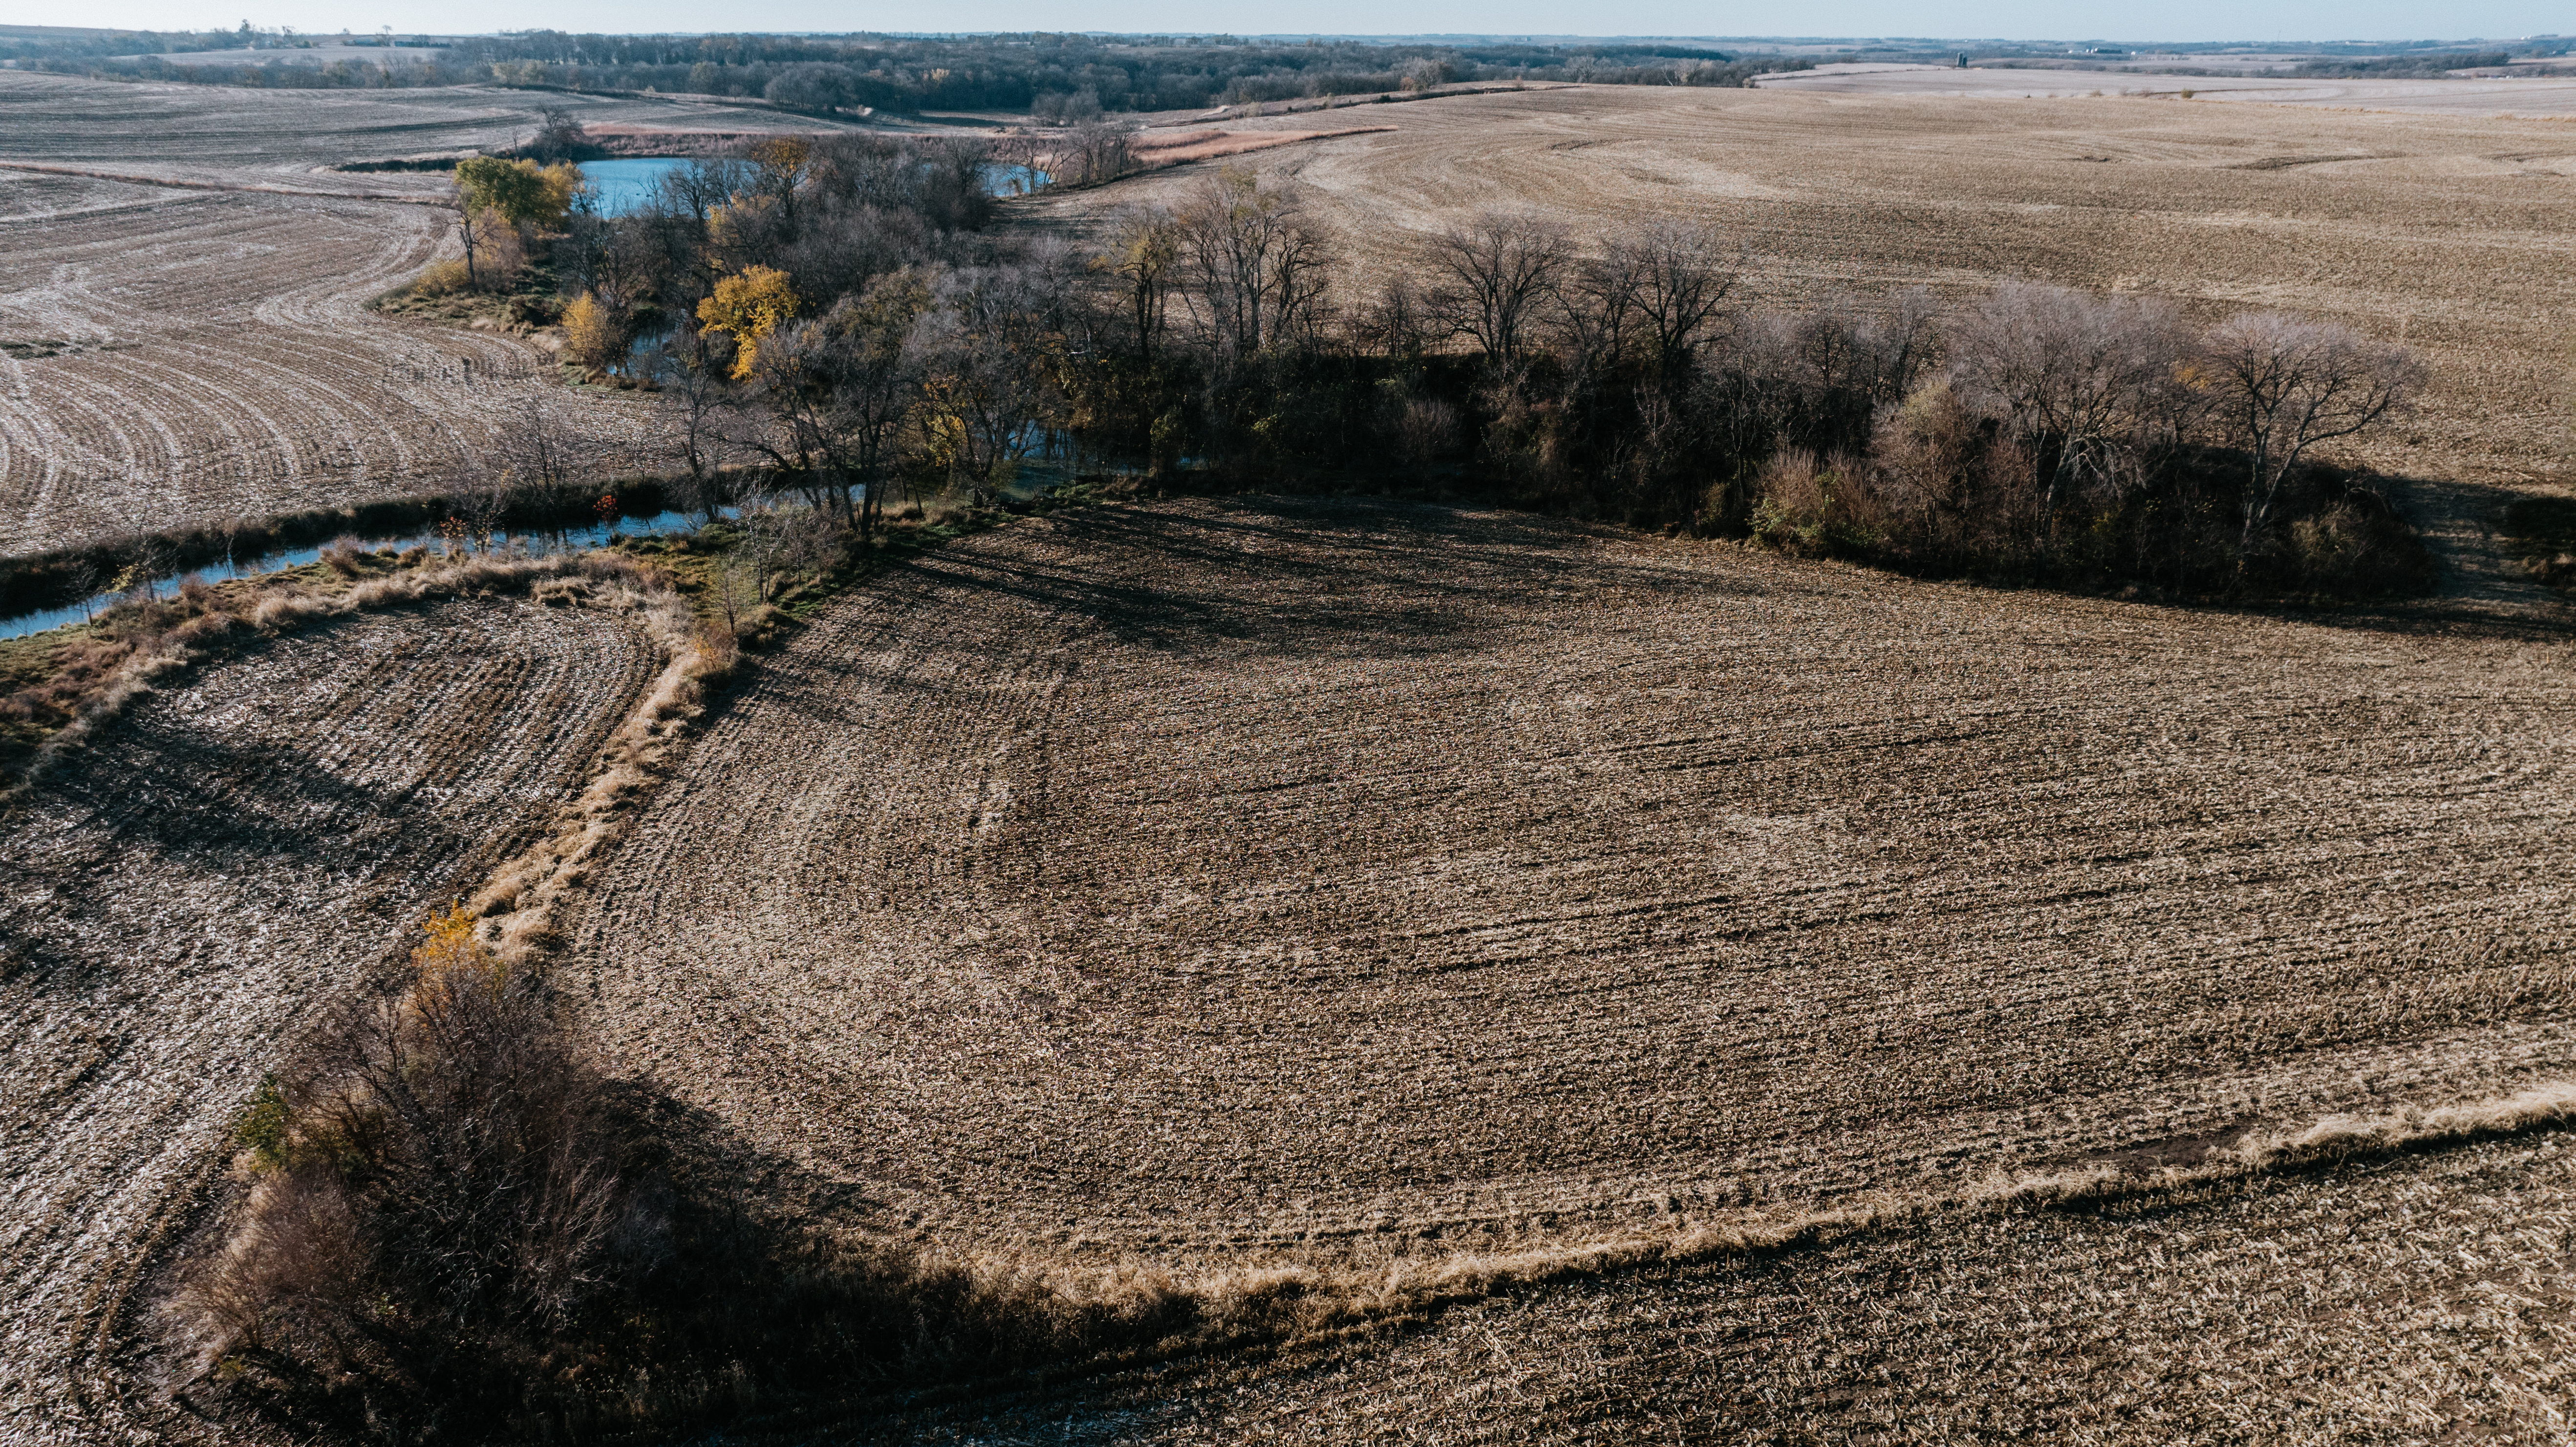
[1026, 71]
[844, 329]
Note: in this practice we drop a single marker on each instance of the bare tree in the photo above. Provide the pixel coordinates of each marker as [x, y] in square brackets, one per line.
[1144, 255]
[2283, 384]
[473, 231]
[985, 355]
[540, 461]
[1594, 305]
[1496, 271]
[1256, 269]
[476, 503]
[694, 403]
[1398, 323]
[2077, 374]
[1093, 152]
[1680, 280]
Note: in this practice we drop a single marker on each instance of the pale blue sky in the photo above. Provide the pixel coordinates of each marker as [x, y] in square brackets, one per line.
[2006, 19]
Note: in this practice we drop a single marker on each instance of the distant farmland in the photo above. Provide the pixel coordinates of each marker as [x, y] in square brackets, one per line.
[2449, 233]
[1578, 983]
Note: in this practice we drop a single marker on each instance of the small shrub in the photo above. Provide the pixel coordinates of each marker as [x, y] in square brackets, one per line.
[1810, 506]
[441, 278]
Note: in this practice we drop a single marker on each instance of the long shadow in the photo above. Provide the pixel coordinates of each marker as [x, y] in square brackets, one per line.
[198, 799]
[1298, 577]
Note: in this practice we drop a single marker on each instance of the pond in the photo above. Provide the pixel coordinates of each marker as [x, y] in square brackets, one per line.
[625, 185]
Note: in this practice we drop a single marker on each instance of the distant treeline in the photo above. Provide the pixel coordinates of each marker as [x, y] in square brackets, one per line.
[2401, 66]
[1076, 73]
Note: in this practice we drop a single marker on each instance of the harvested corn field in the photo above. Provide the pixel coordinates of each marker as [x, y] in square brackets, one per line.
[184, 892]
[290, 139]
[173, 358]
[1227, 883]
[2406, 1300]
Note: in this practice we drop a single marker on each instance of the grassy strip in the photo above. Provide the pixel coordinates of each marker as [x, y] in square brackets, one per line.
[70, 682]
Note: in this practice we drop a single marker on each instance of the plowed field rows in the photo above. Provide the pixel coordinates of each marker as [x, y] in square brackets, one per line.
[1234, 882]
[181, 896]
[2519, 95]
[182, 358]
[2419, 1300]
[291, 137]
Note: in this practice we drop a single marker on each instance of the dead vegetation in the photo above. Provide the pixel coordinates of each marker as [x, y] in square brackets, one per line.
[2399, 1299]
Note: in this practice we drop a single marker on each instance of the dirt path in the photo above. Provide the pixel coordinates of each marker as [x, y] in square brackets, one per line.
[1238, 881]
[181, 897]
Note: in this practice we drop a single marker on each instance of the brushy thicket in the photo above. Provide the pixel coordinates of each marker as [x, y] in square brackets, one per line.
[458, 1230]
[2039, 434]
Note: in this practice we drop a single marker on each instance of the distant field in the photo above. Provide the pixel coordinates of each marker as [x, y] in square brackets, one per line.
[293, 137]
[2526, 95]
[2451, 234]
[185, 894]
[1339, 883]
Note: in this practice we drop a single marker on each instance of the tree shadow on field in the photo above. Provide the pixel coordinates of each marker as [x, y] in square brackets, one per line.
[2484, 591]
[741, 1292]
[1296, 576]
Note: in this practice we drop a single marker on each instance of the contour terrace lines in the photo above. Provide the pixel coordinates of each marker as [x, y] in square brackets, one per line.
[217, 865]
[1012, 884]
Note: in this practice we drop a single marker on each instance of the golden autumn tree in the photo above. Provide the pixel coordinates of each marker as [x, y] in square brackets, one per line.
[748, 306]
[594, 334]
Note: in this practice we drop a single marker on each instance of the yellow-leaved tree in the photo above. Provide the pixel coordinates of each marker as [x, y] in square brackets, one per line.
[748, 306]
[594, 335]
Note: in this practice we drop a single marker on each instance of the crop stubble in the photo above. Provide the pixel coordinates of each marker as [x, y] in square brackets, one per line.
[2421, 1299]
[185, 358]
[290, 138]
[1219, 883]
[185, 891]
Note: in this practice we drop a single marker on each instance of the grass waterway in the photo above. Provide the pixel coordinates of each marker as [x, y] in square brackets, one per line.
[536, 542]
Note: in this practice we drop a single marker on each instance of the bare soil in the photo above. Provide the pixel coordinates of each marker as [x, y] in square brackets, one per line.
[180, 358]
[1239, 882]
[184, 893]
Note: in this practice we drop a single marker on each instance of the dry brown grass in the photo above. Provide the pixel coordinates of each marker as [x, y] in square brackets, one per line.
[1155, 148]
[2408, 1299]
[1222, 886]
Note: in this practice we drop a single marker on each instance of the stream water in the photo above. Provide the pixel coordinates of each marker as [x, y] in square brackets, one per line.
[537, 542]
